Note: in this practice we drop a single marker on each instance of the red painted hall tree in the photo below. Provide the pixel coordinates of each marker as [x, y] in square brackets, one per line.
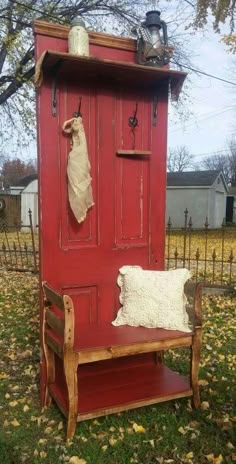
[126, 223]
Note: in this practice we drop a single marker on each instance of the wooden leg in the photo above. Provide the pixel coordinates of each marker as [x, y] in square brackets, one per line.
[195, 360]
[50, 372]
[70, 369]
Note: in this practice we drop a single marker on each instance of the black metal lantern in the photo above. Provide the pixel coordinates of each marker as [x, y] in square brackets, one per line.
[152, 42]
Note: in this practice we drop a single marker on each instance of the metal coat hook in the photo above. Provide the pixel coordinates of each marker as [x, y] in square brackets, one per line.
[78, 113]
[155, 110]
[133, 121]
[56, 70]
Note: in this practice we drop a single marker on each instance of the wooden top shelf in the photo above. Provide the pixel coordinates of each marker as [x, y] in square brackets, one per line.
[120, 71]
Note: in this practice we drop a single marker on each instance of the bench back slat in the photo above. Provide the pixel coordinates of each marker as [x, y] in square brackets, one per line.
[55, 322]
[53, 296]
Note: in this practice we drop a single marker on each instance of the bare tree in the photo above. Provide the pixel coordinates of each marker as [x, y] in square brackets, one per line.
[17, 100]
[179, 159]
[224, 162]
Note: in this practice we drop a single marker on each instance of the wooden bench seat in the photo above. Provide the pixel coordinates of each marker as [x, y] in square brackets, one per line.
[105, 341]
[79, 347]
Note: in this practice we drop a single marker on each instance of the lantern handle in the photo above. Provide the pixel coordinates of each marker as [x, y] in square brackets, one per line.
[164, 28]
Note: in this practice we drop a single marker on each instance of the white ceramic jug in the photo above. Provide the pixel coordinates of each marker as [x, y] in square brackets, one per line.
[78, 39]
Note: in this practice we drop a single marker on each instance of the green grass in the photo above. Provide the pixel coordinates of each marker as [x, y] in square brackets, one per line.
[173, 432]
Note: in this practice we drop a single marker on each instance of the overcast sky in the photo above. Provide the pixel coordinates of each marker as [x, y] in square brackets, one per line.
[213, 103]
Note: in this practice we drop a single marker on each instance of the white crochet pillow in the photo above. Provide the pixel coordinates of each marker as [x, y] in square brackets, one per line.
[153, 298]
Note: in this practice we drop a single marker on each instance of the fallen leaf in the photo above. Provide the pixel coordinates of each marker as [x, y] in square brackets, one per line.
[205, 405]
[13, 404]
[42, 441]
[215, 460]
[60, 426]
[77, 460]
[218, 460]
[112, 441]
[182, 430]
[25, 354]
[15, 423]
[194, 424]
[48, 430]
[230, 445]
[203, 382]
[138, 428]
[208, 347]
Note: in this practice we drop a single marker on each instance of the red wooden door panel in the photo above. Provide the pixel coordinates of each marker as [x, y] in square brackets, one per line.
[132, 183]
[84, 259]
[72, 234]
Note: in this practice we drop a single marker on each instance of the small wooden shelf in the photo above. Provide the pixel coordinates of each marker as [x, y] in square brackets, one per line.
[133, 152]
[101, 393]
[120, 71]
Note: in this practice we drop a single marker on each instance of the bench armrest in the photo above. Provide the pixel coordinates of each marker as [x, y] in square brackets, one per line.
[193, 292]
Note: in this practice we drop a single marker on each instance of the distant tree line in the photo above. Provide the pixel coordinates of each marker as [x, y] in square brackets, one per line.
[180, 159]
[12, 171]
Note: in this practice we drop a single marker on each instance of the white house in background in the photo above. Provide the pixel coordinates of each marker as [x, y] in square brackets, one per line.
[29, 200]
[16, 189]
[203, 193]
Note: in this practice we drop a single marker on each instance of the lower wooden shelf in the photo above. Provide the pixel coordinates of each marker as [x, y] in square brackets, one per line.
[107, 392]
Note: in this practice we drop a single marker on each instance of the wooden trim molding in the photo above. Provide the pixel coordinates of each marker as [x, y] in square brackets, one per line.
[95, 38]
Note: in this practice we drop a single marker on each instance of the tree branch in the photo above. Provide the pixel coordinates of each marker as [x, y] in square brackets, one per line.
[16, 84]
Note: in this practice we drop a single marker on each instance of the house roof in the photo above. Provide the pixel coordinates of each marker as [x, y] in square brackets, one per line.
[193, 178]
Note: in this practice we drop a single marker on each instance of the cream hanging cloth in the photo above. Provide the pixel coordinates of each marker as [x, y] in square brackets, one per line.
[78, 170]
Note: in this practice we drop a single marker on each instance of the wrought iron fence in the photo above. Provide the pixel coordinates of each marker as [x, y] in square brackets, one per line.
[209, 253]
[18, 246]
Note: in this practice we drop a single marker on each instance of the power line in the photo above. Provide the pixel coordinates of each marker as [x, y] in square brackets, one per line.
[202, 115]
[213, 152]
[200, 120]
[204, 73]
